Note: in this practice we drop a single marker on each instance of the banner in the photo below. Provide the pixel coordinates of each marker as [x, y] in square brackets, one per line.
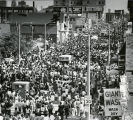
[112, 102]
[65, 58]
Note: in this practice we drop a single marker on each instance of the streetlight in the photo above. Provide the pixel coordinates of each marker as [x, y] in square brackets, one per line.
[19, 32]
[88, 75]
[109, 48]
[88, 70]
[32, 31]
[45, 25]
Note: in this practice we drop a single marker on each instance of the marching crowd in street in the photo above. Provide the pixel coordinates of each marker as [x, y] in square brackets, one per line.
[57, 89]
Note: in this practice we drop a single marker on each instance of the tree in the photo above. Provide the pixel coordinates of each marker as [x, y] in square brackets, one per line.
[9, 45]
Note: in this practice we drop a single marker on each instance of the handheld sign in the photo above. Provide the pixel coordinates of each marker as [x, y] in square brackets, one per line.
[112, 102]
[65, 58]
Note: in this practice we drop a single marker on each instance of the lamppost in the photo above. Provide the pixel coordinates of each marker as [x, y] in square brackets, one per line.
[88, 71]
[109, 47]
[45, 37]
[88, 76]
[32, 31]
[19, 34]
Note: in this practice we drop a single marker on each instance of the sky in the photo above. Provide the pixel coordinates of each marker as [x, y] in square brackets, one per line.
[110, 4]
[39, 4]
[116, 5]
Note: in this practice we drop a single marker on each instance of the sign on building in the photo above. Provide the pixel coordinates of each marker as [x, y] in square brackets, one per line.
[88, 100]
[112, 102]
[77, 10]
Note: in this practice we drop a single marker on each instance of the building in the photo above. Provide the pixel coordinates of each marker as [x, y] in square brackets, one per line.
[115, 9]
[63, 30]
[34, 25]
[13, 4]
[3, 3]
[78, 2]
[126, 68]
[4, 29]
[93, 2]
[22, 3]
[112, 5]
[118, 14]
[121, 58]
[39, 4]
[130, 8]
[5, 12]
[76, 11]
[78, 6]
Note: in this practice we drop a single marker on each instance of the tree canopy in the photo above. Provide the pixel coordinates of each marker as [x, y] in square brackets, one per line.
[10, 45]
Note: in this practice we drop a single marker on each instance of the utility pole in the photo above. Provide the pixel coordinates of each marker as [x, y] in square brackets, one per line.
[88, 75]
[109, 48]
[19, 32]
[45, 37]
[32, 33]
[88, 70]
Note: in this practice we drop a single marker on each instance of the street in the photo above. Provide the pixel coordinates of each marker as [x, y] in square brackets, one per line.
[69, 61]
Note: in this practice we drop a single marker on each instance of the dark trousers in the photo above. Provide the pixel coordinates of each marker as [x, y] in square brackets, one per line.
[67, 113]
[50, 111]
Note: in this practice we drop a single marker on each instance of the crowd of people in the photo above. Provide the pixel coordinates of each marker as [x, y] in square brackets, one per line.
[57, 89]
